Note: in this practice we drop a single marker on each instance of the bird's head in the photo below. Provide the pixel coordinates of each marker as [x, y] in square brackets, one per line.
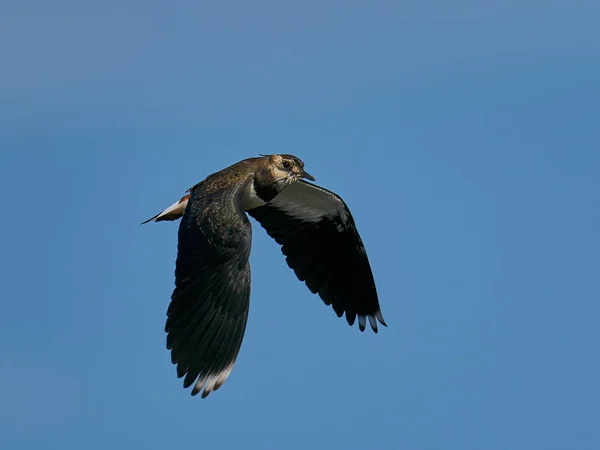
[286, 169]
[275, 172]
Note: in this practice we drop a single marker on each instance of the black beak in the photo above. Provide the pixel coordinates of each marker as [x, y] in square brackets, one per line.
[307, 175]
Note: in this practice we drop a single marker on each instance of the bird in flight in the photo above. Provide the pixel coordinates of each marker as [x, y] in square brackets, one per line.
[207, 316]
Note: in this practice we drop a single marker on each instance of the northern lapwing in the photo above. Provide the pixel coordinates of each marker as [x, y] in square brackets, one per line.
[207, 316]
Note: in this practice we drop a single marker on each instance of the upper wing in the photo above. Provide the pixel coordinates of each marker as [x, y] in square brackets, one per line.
[209, 306]
[318, 235]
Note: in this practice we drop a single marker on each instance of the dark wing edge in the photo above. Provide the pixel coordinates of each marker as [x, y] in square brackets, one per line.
[322, 246]
[207, 316]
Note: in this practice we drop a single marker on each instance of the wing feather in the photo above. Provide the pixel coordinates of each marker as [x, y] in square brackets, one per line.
[319, 238]
[207, 316]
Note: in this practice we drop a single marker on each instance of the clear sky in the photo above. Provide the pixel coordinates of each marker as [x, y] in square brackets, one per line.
[463, 135]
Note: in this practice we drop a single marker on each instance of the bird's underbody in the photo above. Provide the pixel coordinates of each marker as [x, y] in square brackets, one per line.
[207, 316]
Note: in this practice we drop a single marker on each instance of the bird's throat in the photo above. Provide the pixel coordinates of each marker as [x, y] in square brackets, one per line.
[265, 191]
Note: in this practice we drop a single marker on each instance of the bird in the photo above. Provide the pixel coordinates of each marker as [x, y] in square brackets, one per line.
[208, 312]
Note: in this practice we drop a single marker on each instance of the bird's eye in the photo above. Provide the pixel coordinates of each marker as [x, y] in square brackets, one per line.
[287, 165]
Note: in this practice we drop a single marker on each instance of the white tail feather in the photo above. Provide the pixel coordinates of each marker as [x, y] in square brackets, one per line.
[173, 212]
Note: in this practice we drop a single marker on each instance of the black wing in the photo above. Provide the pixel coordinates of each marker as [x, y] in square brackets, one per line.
[209, 306]
[322, 245]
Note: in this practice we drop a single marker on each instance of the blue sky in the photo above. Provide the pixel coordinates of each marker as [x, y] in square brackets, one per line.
[464, 138]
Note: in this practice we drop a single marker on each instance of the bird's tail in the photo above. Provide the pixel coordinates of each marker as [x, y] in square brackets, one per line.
[173, 212]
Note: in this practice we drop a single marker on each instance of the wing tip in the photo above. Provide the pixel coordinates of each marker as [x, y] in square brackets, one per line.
[207, 383]
[362, 322]
[372, 318]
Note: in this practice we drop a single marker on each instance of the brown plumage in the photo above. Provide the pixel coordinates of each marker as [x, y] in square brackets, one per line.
[208, 312]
